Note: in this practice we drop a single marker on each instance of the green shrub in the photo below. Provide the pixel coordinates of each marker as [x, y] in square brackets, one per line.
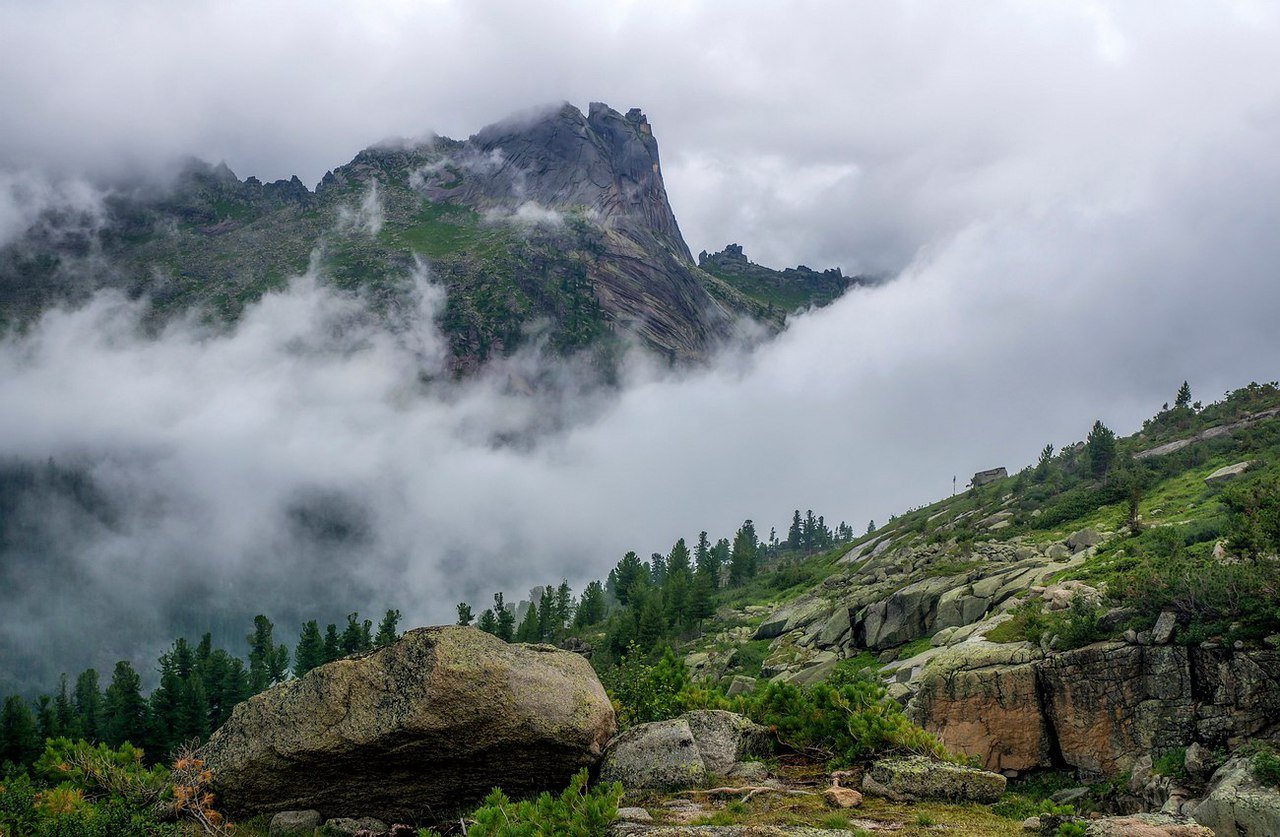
[18, 804]
[845, 720]
[102, 772]
[1071, 829]
[577, 812]
[1266, 769]
[1172, 764]
[642, 691]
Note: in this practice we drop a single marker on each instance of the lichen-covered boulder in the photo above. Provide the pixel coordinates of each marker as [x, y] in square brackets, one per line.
[419, 728]
[1147, 825]
[725, 738]
[1237, 803]
[924, 778]
[294, 822]
[683, 751]
[661, 755]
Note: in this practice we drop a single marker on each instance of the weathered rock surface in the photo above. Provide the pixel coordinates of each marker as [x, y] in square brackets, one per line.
[1099, 708]
[1147, 825]
[1229, 472]
[925, 778]
[294, 822]
[349, 825]
[1237, 804]
[684, 751]
[424, 726]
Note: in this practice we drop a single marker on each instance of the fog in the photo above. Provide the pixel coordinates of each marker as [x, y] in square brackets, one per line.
[1077, 202]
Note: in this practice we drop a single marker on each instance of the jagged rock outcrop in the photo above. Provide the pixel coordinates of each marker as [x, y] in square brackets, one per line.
[421, 727]
[1236, 804]
[1098, 708]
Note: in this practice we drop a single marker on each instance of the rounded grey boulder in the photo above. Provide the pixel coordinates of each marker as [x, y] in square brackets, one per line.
[420, 728]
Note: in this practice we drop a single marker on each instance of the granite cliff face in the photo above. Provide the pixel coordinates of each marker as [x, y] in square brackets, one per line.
[554, 225]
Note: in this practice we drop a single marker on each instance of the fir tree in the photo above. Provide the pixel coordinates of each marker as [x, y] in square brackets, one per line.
[1183, 399]
[332, 643]
[125, 709]
[547, 615]
[742, 566]
[626, 576]
[1100, 447]
[795, 535]
[352, 640]
[506, 620]
[702, 554]
[310, 652]
[590, 607]
[46, 719]
[564, 606]
[88, 702]
[528, 630]
[19, 738]
[465, 616]
[268, 662]
[488, 623]
[387, 632]
[65, 711]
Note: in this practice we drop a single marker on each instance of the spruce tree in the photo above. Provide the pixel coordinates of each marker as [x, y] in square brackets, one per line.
[387, 632]
[1100, 447]
[309, 653]
[742, 565]
[590, 607]
[352, 636]
[88, 702]
[547, 628]
[676, 589]
[19, 738]
[487, 622]
[795, 535]
[627, 575]
[265, 663]
[564, 606]
[332, 643]
[528, 630]
[65, 711]
[125, 708]
[46, 718]
[1183, 400]
[465, 616]
[702, 554]
[506, 620]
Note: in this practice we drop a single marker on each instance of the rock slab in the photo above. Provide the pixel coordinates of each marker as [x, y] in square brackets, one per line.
[683, 752]
[419, 728]
[924, 778]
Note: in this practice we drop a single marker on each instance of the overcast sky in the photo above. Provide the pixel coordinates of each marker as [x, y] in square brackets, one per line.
[1079, 200]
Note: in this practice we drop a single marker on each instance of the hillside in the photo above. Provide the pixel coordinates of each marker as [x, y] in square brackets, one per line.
[554, 223]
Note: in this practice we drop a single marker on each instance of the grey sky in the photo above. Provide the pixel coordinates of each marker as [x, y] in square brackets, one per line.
[1081, 199]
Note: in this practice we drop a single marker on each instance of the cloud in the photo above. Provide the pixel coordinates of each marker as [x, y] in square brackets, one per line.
[1079, 203]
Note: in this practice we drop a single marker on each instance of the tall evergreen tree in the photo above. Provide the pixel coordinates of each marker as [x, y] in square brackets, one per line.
[547, 615]
[387, 629]
[1100, 447]
[678, 582]
[309, 652]
[125, 708]
[871, 526]
[488, 622]
[353, 636]
[702, 554]
[591, 606]
[742, 565]
[1184, 396]
[332, 643]
[506, 620]
[19, 738]
[626, 576]
[465, 616]
[46, 719]
[88, 700]
[65, 711]
[795, 535]
[268, 662]
[564, 605]
[528, 630]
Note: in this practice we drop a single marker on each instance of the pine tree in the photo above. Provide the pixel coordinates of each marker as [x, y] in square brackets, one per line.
[1100, 447]
[125, 709]
[88, 702]
[465, 616]
[46, 719]
[310, 651]
[352, 640]
[19, 738]
[487, 622]
[676, 589]
[387, 632]
[268, 663]
[1183, 399]
[701, 604]
[332, 643]
[564, 606]
[506, 620]
[742, 565]
[65, 711]
[702, 554]
[528, 630]
[871, 526]
[547, 614]
[795, 535]
[650, 626]
[590, 606]
[627, 575]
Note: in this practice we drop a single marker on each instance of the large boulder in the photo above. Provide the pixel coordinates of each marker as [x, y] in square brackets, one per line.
[1237, 804]
[683, 751]
[924, 778]
[427, 725]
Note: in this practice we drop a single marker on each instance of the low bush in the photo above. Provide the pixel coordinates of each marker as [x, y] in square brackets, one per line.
[1266, 768]
[577, 812]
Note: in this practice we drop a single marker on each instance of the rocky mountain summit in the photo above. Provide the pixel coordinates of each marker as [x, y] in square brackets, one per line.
[553, 224]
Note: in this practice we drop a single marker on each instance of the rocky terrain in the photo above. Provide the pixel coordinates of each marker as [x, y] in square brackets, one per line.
[554, 224]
